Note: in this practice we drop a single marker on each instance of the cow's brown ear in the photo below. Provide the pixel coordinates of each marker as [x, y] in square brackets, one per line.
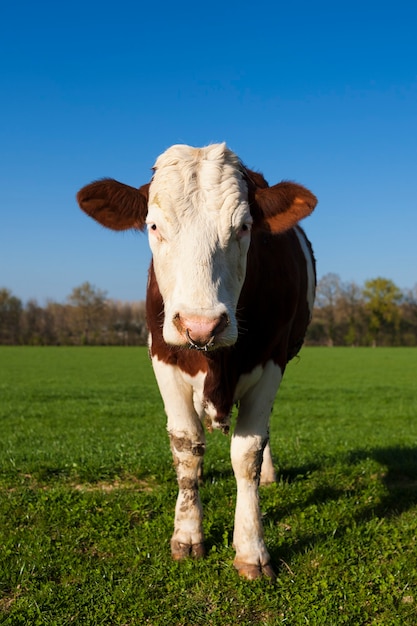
[115, 205]
[282, 206]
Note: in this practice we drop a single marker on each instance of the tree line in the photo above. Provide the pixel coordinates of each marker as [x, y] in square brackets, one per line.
[87, 317]
[345, 314]
[376, 314]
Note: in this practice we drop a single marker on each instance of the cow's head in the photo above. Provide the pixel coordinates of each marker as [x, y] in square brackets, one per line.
[200, 208]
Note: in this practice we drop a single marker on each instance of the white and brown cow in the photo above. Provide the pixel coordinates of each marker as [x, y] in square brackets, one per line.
[230, 294]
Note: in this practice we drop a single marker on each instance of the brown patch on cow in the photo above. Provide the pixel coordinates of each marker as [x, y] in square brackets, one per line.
[220, 422]
[254, 180]
[274, 312]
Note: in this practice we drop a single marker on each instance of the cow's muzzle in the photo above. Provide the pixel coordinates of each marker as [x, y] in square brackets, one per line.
[201, 332]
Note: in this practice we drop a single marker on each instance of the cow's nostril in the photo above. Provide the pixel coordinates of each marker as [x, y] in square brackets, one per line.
[224, 322]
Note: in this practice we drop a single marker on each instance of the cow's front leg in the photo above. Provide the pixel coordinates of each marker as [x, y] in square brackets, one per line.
[187, 445]
[248, 444]
[187, 451]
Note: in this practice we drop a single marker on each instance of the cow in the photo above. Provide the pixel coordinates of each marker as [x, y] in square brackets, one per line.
[230, 294]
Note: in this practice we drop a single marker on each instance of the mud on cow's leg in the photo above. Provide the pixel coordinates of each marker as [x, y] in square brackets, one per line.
[187, 539]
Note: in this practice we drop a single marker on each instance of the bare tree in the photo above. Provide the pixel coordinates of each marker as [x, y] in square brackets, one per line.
[89, 304]
[10, 317]
[127, 322]
[350, 303]
[37, 325]
[329, 289]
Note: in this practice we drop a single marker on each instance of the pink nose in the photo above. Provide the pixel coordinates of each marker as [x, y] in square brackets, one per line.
[201, 331]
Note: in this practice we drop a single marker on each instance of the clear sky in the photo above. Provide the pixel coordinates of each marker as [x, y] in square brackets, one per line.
[323, 93]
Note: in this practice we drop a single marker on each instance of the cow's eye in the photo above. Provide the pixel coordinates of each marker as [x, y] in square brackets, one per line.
[244, 229]
[154, 232]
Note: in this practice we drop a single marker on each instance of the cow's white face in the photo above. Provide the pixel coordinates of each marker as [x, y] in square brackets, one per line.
[199, 227]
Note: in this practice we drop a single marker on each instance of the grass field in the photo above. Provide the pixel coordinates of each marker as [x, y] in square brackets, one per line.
[87, 495]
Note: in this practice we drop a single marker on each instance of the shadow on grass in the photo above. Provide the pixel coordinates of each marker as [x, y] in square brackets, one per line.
[301, 472]
[398, 475]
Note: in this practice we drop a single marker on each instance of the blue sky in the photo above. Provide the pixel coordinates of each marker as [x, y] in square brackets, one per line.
[323, 93]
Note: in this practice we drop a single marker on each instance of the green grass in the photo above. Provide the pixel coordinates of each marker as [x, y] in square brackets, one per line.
[87, 495]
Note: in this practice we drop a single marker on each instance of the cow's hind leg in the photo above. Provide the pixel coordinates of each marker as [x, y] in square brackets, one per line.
[248, 443]
[268, 476]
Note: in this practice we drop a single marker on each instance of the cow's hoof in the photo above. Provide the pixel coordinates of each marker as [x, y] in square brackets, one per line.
[180, 551]
[267, 480]
[198, 551]
[253, 572]
[268, 572]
